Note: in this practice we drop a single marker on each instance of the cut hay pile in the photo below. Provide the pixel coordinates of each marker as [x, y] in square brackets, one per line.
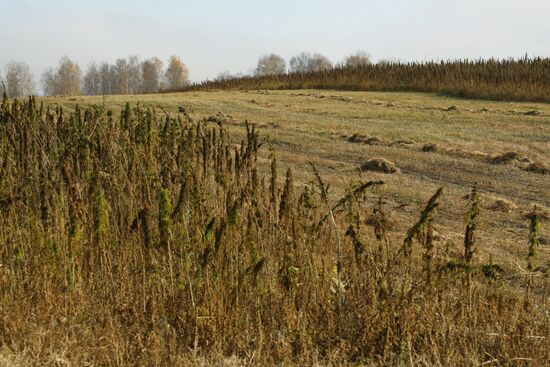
[429, 147]
[403, 142]
[538, 167]
[220, 118]
[379, 165]
[502, 205]
[507, 157]
[542, 211]
[365, 139]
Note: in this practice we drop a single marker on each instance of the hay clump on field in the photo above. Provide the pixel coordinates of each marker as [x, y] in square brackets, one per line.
[379, 165]
[538, 167]
[507, 157]
[366, 139]
[220, 118]
[429, 147]
[542, 211]
[478, 154]
[403, 142]
[502, 205]
[223, 119]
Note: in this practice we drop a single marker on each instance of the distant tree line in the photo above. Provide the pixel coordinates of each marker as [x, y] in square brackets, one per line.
[302, 63]
[125, 76]
[305, 62]
[130, 75]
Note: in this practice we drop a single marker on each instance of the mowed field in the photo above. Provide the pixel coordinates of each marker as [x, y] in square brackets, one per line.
[433, 140]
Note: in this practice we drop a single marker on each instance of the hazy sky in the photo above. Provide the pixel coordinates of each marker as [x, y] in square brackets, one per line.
[217, 35]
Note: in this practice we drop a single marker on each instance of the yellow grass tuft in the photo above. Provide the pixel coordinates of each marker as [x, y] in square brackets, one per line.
[502, 205]
[379, 165]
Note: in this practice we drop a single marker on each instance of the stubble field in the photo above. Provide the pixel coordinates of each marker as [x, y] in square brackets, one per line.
[433, 141]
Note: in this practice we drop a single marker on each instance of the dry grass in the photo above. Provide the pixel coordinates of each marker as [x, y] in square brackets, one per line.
[364, 139]
[429, 147]
[379, 165]
[538, 167]
[403, 142]
[522, 80]
[507, 157]
[503, 205]
[97, 273]
[543, 212]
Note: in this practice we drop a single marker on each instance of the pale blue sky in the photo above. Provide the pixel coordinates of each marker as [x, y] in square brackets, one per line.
[216, 35]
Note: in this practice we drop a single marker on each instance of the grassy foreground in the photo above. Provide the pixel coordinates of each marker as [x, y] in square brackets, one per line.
[166, 234]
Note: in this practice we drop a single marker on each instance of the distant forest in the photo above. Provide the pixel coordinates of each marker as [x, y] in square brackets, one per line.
[525, 79]
[126, 76]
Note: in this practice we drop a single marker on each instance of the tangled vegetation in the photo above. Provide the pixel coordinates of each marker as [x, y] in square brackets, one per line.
[141, 238]
[519, 80]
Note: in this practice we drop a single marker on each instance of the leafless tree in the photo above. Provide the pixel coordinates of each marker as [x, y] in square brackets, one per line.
[124, 77]
[319, 62]
[105, 79]
[68, 75]
[19, 79]
[49, 82]
[224, 75]
[65, 80]
[134, 75]
[121, 76]
[151, 72]
[177, 75]
[271, 64]
[92, 81]
[300, 63]
[304, 62]
[358, 59]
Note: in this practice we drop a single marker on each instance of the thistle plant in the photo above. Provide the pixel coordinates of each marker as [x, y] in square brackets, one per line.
[100, 226]
[535, 227]
[423, 226]
[287, 196]
[472, 219]
[273, 183]
[165, 221]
